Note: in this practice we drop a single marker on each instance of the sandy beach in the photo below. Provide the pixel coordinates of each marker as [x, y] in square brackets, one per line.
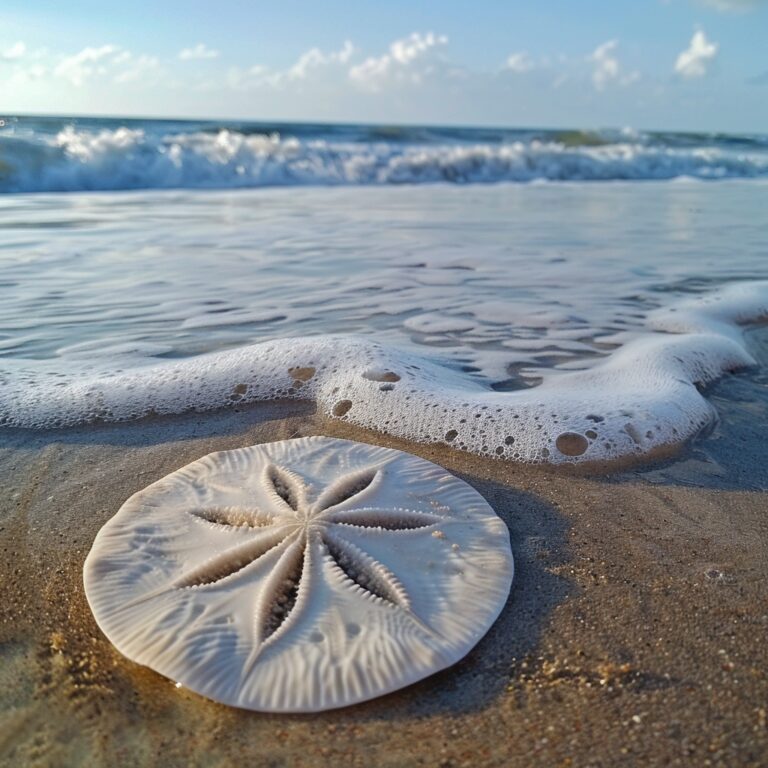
[634, 633]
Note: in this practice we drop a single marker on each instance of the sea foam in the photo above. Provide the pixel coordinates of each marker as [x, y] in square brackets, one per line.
[644, 396]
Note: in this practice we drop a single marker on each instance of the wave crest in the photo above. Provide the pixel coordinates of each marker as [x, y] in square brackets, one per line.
[134, 158]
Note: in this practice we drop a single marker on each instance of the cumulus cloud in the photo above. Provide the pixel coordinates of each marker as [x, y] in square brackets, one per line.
[519, 62]
[315, 58]
[694, 61]
[607, 68]
[401, 62]
[106, 62]
[309, 63]
[135, 67]
[410, 48]
[81, 66]
[16, 51]
[199, 51]
[25, 77]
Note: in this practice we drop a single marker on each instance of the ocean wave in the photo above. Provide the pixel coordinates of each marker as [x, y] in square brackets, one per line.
[121, 158]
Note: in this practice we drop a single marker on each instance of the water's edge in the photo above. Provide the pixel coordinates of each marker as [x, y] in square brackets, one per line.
[642, 398]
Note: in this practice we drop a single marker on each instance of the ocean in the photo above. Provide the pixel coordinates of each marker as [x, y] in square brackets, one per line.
[536, 295]
[495, 302]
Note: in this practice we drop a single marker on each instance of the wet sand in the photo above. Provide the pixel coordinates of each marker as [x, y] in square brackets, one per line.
[635, 633]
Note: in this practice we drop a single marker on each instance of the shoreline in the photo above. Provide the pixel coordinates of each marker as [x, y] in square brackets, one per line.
[642, 401]
[634, 630]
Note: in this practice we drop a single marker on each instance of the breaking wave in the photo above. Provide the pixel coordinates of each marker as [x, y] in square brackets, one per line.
[146, 156]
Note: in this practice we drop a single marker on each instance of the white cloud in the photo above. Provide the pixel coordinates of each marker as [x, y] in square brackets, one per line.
[36, 72]
[309, 63]
[136, 67]
[83, 65]
[315, 58]
[410, 48]
[696, 58]
[106, 61]
[200, 51]
[607, 68]
[606, 64]
[519, 62]
[16, 51]
[399, 62]
[25, 77]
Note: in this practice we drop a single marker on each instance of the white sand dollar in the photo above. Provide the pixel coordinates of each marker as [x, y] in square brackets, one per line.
[300, 575]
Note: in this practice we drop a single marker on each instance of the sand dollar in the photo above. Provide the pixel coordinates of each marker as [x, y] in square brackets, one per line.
[300, 575]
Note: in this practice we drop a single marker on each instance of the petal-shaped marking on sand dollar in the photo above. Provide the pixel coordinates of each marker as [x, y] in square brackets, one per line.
[391, 519]
[361, 569]
[286, 487]
[300, 575]
[348, 489]
[233, 560]
[234, 517]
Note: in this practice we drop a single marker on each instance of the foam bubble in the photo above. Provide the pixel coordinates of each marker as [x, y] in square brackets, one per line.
[642, 397]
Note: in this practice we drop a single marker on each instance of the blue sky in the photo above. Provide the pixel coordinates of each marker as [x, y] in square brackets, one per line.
[674, 64]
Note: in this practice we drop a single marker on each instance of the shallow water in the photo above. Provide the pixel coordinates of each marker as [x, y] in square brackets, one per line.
[507, 285]
[507, 278]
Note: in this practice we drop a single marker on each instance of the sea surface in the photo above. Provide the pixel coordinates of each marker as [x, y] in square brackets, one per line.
[581, 286]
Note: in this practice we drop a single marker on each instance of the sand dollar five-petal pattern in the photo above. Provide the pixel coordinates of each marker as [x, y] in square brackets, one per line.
[300, 575]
